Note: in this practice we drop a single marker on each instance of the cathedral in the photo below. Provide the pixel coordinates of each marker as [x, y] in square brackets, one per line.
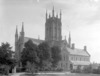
[71, 57]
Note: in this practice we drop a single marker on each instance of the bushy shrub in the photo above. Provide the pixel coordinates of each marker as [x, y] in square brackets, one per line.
[87, 69]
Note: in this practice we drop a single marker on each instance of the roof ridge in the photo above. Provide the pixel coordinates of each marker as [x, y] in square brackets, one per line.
[77, 51]
[33, 38]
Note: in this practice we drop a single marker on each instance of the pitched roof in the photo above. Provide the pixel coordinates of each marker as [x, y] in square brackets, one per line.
[71, 51]
[35, 41]
[77, 52]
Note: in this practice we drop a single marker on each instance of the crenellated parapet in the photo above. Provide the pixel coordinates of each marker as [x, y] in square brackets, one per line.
[53, 16]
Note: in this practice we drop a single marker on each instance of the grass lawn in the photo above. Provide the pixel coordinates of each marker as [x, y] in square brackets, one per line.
[70, 74]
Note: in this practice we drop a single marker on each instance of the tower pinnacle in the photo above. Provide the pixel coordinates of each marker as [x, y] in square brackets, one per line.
[46, 14]
[57, 15]
[69, 40]
[22, 26]
[65, 37]
[16, 35]
[60, 14]
[49, 16]
[53, 12]
[22, 31]
[16, 31]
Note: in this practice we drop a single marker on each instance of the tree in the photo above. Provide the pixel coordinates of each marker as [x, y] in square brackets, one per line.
[6, 56]
[31, 67]
[41, 56]
[5, 53]
[99, 69]
[29, 54]
[44, 54]
[88, 69]
[56, 55]
[44, 51]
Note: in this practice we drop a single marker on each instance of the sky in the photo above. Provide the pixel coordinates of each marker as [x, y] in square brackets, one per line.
[80, 17]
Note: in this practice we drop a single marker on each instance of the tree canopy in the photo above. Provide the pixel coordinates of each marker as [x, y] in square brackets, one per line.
[43, 56]
[56, 55]
[29, 53]
[5, 54]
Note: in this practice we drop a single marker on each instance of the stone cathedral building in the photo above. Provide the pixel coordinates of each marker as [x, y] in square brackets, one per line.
[71, 56]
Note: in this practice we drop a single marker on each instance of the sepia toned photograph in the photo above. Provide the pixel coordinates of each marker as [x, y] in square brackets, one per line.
[49, 37]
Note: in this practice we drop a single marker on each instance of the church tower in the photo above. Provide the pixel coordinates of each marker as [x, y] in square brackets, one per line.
[53, 27]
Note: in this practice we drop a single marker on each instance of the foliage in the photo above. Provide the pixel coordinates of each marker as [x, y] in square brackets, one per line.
[31, 67]
[43, 57]
[46, 65]
[5, 54]
[44, 54]
[6, 60]
[4, 69]
[29, 53]
[44, 51]
[88, 69]
[56, 55]
[96, 71]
